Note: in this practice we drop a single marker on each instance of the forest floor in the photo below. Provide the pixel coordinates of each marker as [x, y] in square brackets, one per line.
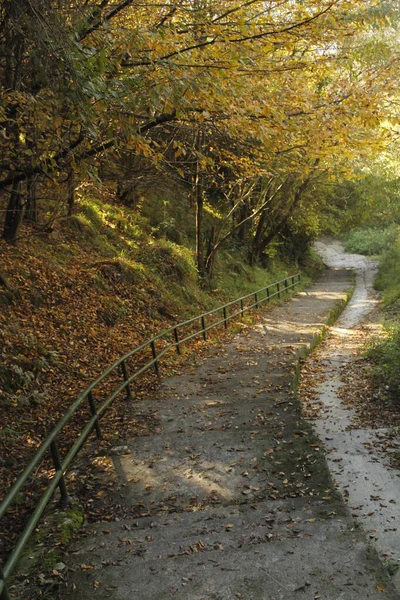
[229, 495]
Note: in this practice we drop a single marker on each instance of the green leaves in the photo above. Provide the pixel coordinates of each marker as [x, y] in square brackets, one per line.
[285, 87]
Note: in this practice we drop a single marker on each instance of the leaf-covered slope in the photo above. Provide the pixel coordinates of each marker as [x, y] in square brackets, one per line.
[77, 299]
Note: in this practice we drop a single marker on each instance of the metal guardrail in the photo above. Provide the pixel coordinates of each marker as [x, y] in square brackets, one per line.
[172, 339]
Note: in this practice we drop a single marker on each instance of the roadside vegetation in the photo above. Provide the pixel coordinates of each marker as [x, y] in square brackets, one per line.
[386, 352]
[76, 298]
[99, 284]
[372, 241]
[378, 235]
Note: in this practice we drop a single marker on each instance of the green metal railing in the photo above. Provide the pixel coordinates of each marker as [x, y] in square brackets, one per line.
[170, 338]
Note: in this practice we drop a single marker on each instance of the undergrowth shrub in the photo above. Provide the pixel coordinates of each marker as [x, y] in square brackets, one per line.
[311, 263]
[386, 352]
[371, 240]
[388, 278]
[170, 260]
[386, 356]
[21, 370]
[93, 214]
[169, 216]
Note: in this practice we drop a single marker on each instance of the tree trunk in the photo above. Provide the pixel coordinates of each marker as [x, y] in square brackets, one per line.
[255, 249]
[70, 192]
[14, 214]
[280, 224]
[243, 229]
[199, 223]
[31, 213]
[210, 260]
[13, 47]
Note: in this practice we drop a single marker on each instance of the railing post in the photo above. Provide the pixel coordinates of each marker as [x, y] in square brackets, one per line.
[154, 353]
[126, 378]
[4, 594]
[178, 348]
[93, 410]
[203, 328]
[58, 467]
[58, 462]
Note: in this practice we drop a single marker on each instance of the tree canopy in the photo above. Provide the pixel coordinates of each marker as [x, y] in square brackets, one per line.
[253, 105]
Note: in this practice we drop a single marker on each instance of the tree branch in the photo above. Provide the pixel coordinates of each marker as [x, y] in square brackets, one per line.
[249, 218]
[40, 170]
[144, 63]
[107, 17]
[258, 36]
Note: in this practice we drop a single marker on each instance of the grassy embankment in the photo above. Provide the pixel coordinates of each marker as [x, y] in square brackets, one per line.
[98, 285]
[384, 243]
[76, 298]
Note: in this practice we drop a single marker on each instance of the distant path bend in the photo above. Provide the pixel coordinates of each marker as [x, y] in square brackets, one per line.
[362, 472]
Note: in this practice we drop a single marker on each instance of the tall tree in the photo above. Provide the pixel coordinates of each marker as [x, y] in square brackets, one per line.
[290, 82]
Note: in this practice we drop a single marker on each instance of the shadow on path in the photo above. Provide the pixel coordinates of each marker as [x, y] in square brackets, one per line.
[231, 497]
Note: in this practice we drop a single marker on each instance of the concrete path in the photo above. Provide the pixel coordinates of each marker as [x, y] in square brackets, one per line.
[363, 473]
[232, 497]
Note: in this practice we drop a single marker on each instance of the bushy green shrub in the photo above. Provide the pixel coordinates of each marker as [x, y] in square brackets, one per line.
[386, 352]
[388, 278]
[386, 356]
[371, 241]
[170, 260]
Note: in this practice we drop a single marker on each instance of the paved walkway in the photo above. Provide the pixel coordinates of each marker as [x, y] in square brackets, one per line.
[363, 471]
[231, 497]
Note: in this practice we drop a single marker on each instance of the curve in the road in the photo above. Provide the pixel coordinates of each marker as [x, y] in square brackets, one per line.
[363, 475]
